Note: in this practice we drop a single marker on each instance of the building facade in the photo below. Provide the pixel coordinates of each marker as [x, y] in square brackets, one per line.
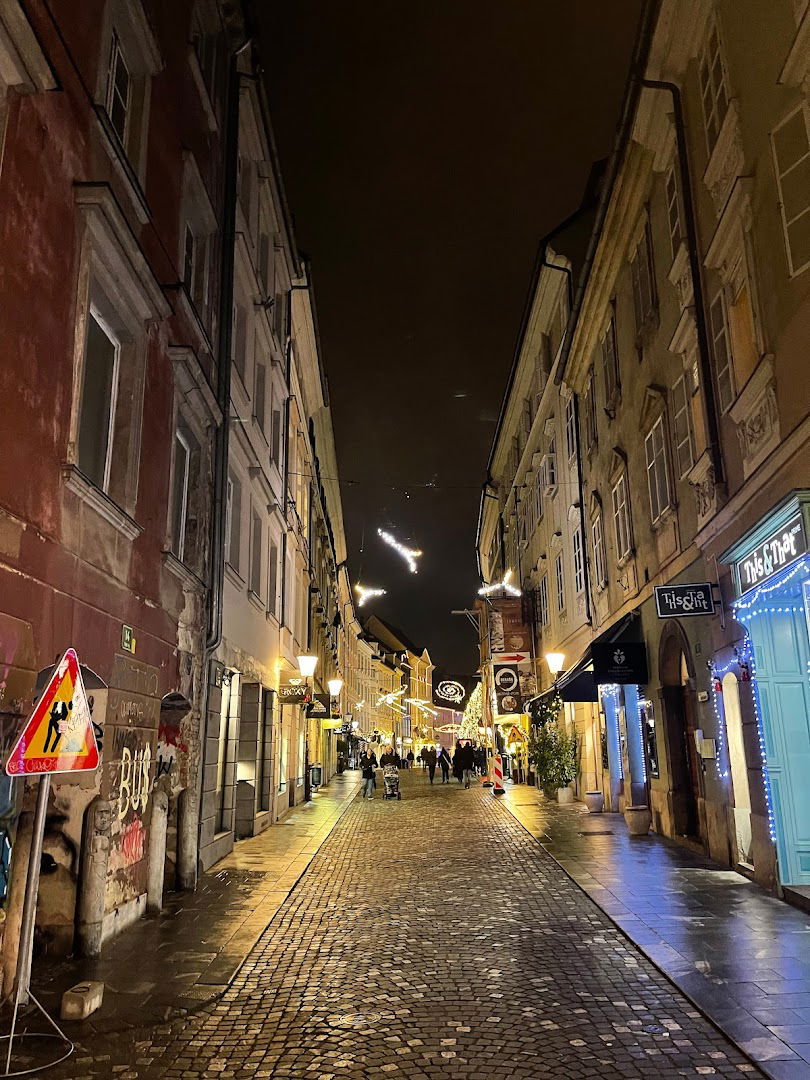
[685, 352]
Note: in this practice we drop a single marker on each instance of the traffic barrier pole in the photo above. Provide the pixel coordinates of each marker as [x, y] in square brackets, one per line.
[498, 775]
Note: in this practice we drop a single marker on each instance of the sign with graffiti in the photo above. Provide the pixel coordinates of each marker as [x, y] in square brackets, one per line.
[59, 737]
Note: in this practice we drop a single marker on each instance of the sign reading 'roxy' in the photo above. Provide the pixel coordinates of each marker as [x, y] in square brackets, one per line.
[684, 600]
[781, 548]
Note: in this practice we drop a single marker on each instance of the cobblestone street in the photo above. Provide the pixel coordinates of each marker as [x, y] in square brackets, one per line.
[431, 938]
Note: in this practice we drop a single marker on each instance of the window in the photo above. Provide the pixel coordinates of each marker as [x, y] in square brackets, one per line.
[721, 352]
[239, 340]
[233, 537]
[98, 401]
[570, 428]
[599, 553]
[549, 469]
[119, 89]
[559, 577]
[673, 196]
[621, 517]
[259, 394]
[264, 749]
[255, 551]
[713, 89]
[682, 435]
[195, 268]
[275, 433]
[265, 260]
[591, 431]
[643, 275]
[245, 182]
[280, 315]
[272, 578]
[657, 480]
[579, 566]
[182, 464]
[610, 363]
[542, 600]
[791, 153]
[205, 49]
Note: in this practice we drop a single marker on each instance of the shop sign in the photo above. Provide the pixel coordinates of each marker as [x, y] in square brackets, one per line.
[780, 549]
[127, 638]
[684, 601]
[294, 694]
[507, 630]
[319, 705]
[507, 688]
[620, 662]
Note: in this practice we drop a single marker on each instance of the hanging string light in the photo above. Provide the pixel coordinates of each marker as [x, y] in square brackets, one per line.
[410, 555]
[503, 584]
[364, 593]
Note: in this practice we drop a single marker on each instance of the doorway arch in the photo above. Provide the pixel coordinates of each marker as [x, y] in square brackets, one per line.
[739, 768]
[677, 672]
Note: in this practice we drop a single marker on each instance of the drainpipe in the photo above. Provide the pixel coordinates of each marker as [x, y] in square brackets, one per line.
[701, 321]
[190, 800]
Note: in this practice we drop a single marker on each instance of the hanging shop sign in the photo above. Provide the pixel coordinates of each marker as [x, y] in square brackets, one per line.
[320, 705]
[684, 601]
[620, 662]
[508, 632]
[506, 678]
[59, 737]
[294, 693]
[781, 548]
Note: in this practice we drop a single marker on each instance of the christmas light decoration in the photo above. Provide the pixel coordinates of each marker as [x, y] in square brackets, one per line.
[450, 690]
[410, 555]
[610, 692]
[510, 590]
[472, 715]
[364, 593]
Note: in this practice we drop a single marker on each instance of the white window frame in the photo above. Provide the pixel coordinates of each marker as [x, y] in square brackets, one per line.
[273, 580]
[570, 429]
[622, 523]
[117, 57]
[542, 600]
[256, 551]
[115, 340]
[559, 581]
[658, 485]
[179, 542]
[723, 370]
[672, 194]
[683, 437]
[610, 361]
[642, 274]
[599, 551]
[579, 561]
[805, 110]
[713, 113]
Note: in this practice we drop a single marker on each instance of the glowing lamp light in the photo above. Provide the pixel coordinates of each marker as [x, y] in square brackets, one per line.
[307, 665]
[335, 686]
[555, 661]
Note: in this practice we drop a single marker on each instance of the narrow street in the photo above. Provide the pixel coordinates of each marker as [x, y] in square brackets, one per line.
[431, 937]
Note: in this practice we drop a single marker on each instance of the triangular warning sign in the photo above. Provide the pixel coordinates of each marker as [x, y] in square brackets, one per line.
[59, 737]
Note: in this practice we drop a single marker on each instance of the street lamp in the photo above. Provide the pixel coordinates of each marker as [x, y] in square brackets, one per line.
[335, 686]
[556, 662]
[307, 665]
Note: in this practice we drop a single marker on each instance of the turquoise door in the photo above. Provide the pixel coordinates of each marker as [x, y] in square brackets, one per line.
[782, 655]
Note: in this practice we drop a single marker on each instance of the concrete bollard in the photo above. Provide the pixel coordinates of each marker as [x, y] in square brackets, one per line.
[82, 1000]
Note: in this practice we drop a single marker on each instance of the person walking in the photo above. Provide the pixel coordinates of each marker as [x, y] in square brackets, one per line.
[368, 763]
[467, 763]
[390, 757]
[410, 759]
[458, 768]
[444, 763]
[430, 761]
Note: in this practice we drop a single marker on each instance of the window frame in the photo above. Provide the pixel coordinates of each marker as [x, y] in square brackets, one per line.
[674, 208]
[657, 468]
[599, 551]
[542, 600]
[559, 581]
[610, 362]
[712, 119]
[578, 554]
[178, 543]
[622, 519]
[682, 410]
[721, 299]
[117, 56]
[804, 109]
[642, 276]
[114, 338]
[570, 429]
[256, 552]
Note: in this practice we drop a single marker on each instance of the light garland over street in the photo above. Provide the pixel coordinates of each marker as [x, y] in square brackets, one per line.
[410, 555]
[365, 593]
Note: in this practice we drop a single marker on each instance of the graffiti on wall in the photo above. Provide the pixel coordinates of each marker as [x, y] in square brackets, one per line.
[170, 745]
[133, 788]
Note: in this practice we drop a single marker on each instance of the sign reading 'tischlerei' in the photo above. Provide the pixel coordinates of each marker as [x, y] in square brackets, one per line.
[779, 550]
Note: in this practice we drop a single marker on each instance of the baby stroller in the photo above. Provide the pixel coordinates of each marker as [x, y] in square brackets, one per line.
[391, 781]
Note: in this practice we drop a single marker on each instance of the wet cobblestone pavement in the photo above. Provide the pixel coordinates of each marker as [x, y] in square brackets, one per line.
[431, 938]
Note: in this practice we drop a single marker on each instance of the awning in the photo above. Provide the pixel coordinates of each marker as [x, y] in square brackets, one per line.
[578, 682]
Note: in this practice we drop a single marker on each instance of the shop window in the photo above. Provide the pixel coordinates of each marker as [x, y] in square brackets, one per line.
[682, 435]
[713, 86]
[657, 470]
[621, 517]
[264, 750]
[647, 717]
[791, 152]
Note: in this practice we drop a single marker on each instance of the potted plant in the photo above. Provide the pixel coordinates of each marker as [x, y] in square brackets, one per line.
[566, 765]
[638, 819]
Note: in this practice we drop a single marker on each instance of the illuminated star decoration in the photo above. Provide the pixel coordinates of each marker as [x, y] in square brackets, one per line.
[410, 555]
[364, 593]
[510, 590]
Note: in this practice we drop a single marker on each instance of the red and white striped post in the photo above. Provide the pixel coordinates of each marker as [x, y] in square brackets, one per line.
[497, 770]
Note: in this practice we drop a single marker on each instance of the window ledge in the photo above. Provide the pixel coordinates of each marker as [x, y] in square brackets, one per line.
[180, 570]
[664, 517]
[256, 600]
[104, 506]
[625, 559]
[727, 158]
[234, 576]
[123, 166]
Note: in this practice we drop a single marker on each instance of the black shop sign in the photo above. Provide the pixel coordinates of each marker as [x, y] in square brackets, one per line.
[781, 548]
[620, 662]
[684, 601]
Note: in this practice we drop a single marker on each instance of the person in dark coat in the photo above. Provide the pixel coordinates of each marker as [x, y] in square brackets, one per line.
[444, 763]
[467, 763]
[429, 757]
[368, 763]
[410, 758]
[390, 757]
[458, 768]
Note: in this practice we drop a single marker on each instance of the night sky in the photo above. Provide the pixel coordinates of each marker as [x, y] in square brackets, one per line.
[426, 147]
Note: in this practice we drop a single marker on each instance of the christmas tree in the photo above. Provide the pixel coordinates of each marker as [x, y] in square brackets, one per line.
[471, 720]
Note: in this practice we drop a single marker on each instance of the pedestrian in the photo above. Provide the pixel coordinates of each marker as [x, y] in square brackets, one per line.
[430, 761]
[467, 763]
[410, 758]
[368, 763]
[481, 760]
[458, 768]
[422, 757]
[444, 763]
[391, 757]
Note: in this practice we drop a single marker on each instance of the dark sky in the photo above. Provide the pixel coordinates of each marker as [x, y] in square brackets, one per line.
[426, 147]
